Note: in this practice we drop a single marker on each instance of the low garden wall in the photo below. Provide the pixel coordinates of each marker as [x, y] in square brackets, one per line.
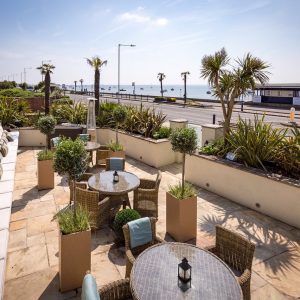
[31, 137]
[156, 153]
[276, 197]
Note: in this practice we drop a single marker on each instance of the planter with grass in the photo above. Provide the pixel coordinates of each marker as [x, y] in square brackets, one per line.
[116, 150]
[45, 172]
[123, 217]
[181, 199]
[74, 247]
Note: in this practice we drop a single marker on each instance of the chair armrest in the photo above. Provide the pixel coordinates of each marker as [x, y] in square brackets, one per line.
[130, 256]
[148, 191]
[244, 277]
[119, 289]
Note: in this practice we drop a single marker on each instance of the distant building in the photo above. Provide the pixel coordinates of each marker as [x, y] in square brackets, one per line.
[282, 93]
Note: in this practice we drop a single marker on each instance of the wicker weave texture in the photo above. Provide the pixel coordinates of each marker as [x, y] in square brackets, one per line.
[237, 252]
[108, 168]
[101, 156]
[131, 253]
[117, 290]
[145, 197]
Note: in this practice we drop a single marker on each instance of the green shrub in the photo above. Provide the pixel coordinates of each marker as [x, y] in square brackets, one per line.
[70, 158]
[119, 114]
[12, 110]
[217, 148]
[72, 113]
[63, 100]
[162, 133]
[171, 99]
[182, 193]
[255, 143]
[46, 124]
[7, 85]
[159, 99]
[15, 92]
[71, 221]
[115, 146]
[45, 155]
[123, 217]
[105, 117]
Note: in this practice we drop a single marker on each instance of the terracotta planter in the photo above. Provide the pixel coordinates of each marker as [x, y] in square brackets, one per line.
[74, 259]
[181, 218]
[117, 153]
[45, 174]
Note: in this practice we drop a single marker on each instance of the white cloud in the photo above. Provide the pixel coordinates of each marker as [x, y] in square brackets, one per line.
[138, 18]
[161, 21]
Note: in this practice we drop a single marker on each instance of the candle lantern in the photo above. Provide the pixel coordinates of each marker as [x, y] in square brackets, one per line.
[185, 274]
[116, 176]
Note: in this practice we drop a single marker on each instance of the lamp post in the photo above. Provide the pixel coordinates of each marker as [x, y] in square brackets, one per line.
[45, 61]
[183, 75]
[25, 73]
[119, 63]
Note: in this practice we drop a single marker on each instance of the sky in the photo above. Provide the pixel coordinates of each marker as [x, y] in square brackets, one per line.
[171, 36]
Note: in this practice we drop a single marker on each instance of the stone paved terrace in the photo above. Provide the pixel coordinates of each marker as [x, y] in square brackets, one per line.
[32, 265]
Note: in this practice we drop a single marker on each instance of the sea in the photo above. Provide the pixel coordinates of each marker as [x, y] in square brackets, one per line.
[193, 91]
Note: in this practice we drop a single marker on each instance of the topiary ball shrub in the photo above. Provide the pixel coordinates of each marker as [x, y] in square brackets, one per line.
[46, 124]
[119, 114]
[123, 217]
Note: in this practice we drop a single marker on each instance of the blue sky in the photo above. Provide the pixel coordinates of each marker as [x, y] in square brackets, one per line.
[171, 37]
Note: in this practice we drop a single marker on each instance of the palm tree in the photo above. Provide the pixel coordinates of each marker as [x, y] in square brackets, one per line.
[228, 84]
[75, 82]
[96, 63]
[161, 77]
[46, 69]
[183, 75]
[81, 81]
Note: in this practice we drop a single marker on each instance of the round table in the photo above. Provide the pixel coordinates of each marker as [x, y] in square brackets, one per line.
[104, 184]
[90, 147]
[155, 274]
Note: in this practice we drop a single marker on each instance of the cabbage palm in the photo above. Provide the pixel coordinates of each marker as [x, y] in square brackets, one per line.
[46, 69]
[161, 77]
[96, 63]
[81, 81]
[228, 84]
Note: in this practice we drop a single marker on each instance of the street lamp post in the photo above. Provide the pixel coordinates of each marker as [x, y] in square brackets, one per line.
[45, 61]
[119, 64]
[25, 73]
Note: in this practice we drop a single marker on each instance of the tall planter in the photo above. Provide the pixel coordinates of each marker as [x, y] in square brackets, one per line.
[74, 259]
[45, 174]
[181, 217]
[120, 153]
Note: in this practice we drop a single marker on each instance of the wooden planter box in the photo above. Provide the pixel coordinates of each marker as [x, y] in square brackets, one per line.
[74, 259]
[181, 218]
[45, 174]
[117, 153]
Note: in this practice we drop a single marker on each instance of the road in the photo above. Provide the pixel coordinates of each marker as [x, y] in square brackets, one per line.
[204, 115]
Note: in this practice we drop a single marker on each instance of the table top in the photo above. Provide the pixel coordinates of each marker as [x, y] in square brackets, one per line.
[91, 146]
[103, 182]
[155, 274]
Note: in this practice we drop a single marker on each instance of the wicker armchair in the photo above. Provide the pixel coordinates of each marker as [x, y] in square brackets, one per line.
[101, 156]
[108, 164]
[117, 290]
[80, 183]
[131, 253]
[145, 197]
[99, 211]
[237, 252]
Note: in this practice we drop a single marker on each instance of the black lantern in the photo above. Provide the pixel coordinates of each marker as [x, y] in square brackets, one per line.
[184, 274]
[116, 176]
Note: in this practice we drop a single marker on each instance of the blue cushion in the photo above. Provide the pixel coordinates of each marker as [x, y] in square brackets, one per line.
[140, 232]
[55, 141]
[116, 163]
[84, 137]
[89, 288]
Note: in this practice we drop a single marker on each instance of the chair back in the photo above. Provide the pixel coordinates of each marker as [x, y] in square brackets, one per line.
[101, 156]
[139, 249]
[88, 200]
[85, 137]
[115, 164]
[234, 249]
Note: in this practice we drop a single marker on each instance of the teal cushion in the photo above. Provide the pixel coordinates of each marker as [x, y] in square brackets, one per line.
[116, 164]
[56, 141]
[89, 288]
[84, 137]
[140, 232]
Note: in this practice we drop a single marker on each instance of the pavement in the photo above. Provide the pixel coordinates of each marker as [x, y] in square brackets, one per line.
[32, 263]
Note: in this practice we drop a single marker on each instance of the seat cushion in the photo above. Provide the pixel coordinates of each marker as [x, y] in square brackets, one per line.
[116, 163]
[84, 137]
[89, 288]
[140, 232]
[55, 141]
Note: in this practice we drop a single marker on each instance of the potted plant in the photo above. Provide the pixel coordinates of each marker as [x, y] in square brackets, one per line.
[119, 116]
[123, 217]
[181, 204]
[74, 247]
[45, 172]
[71, 159]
